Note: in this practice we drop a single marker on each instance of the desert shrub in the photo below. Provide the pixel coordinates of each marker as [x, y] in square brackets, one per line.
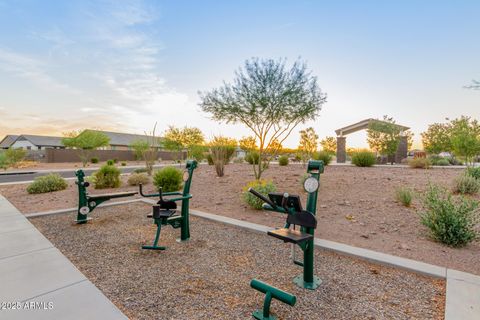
[252, 157]
[404, 195]
[138, 178]
[324, 156]
[210, 159]
[466, 184]
[222, 150]
[363, 158]
[14, 156]
[238, 160]
[3, 161]
[419, 163]
[49, 183]
[110, 162]
[437, 160]
[94, 160]
[442, 162]
[474, 172]
[140, 170]
[168, 178]
[454, 161]
[450, 221]
[283, 160]
[108, 176]
[115, 160]
[123, 164]
[262, 186]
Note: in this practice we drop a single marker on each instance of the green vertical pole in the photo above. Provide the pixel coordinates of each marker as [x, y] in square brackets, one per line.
[185, 224]
[82, 198]
[309, 280]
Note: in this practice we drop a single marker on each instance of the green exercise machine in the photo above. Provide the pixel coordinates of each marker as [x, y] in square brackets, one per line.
[296, 216]
[270, 293]
[87, 203]
[165, 210]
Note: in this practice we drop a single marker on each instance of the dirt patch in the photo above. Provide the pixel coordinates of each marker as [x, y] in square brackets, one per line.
[356, 206]
[208, 277]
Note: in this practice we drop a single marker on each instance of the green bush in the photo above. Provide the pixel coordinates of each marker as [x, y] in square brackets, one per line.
[466, 184]
[261, 186]
[3, 161]
[450, 221]
[140, 170]
[49, 183]
[197, 152]
[138, 178]
[419, 163]
[14, 156]
[252, 157]
[442, 162]
[363, 158]
[283, 160]
[94, 160]
[108, 176]
[123, 164]
[404, 195]
[324, 156]
[454, 161]
[115, 160]
[168, 178]
[210, 159]
[474, 172]
[110, 162]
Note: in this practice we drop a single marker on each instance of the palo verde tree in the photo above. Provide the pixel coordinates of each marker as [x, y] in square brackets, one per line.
[437, 138]
[329, 144]
[85, 142]
[465, 138]
[270, 99]
[308, 143]
[183, 138]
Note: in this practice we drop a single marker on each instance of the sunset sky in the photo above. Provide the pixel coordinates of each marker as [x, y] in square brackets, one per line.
[124, 65]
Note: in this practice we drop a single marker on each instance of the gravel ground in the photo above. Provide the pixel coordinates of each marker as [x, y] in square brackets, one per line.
[208, 277]
[356, 206]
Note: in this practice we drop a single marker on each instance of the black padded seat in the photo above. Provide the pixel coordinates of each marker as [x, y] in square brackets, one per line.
[289, 235]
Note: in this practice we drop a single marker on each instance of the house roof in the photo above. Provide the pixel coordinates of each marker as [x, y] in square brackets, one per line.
[8, 140]
[47, 141]
[124, 139]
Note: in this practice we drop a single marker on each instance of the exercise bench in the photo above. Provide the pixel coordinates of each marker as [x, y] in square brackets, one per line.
[87, 202]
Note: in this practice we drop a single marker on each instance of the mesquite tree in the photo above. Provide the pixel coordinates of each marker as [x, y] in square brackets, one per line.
[270, 99]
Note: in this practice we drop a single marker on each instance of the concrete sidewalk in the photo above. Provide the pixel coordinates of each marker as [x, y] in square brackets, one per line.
[38, 281]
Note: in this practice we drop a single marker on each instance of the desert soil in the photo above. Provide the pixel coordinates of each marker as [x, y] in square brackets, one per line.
[208, 277]
[356, 206]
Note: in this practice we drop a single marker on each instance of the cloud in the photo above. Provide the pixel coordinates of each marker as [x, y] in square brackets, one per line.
[104, 58]
[32, 69]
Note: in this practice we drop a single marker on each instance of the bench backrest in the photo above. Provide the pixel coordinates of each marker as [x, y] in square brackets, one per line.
[303, 219]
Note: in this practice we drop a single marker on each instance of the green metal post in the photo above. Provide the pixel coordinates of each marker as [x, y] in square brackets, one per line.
[270, 292]
[83, 208]
[308, 280]
[185, 223]
[155, 246]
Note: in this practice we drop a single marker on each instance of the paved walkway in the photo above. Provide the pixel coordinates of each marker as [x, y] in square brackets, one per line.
[38, 282]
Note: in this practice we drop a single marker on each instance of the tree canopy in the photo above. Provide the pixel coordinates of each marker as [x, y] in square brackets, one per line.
[308, 143]
[183, 138]
[86, 142]
[329, 144]
[269, 98]
[437, 138]
[383, 136]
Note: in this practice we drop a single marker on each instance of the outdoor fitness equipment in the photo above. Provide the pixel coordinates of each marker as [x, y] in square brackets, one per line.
[270, 292]
[164, 212]
[296, 216]
[87, 202]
